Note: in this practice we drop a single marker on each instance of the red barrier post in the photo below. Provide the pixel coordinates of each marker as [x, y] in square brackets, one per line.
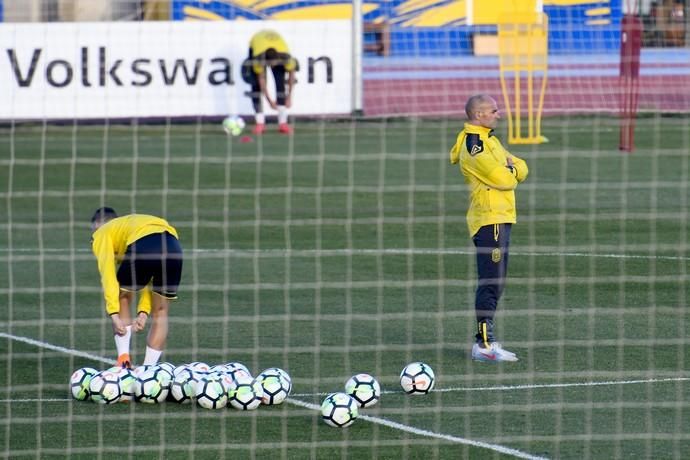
[631, 43]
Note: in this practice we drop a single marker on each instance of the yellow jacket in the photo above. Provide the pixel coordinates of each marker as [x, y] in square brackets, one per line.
[109, 244]
[265, 40]
[492, 174]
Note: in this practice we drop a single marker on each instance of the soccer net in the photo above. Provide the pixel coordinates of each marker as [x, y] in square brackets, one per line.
[343, 249]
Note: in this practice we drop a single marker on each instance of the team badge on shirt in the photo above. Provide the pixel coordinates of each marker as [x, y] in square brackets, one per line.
[474, 144]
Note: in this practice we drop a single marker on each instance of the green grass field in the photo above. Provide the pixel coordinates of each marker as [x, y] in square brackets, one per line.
[344, 249]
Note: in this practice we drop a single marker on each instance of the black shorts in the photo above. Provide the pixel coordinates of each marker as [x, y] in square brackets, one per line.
[252, 78]
[155, 258]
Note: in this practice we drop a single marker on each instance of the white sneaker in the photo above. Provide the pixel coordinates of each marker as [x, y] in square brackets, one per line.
[494, 354]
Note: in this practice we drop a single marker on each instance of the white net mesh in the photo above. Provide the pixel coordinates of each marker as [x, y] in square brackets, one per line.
[343, 249]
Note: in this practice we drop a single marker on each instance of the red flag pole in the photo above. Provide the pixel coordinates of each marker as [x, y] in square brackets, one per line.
[631, 44]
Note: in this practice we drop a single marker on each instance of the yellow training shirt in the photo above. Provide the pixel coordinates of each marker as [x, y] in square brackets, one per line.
[109, 244]
[485, 164]
[265, 40]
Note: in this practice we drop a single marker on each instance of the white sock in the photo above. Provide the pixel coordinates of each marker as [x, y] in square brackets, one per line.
[122, 341]
[152, 356]
[260, 119]
[282, 114]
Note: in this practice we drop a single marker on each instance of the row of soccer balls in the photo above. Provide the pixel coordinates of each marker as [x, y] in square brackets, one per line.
[232, 383]
[362, 390]
[210, 387]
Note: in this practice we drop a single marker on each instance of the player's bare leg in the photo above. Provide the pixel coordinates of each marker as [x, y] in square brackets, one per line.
[159, 329]
[122, 328]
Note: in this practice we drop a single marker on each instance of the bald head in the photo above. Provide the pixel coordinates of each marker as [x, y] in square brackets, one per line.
[482, 110]
[475, 102]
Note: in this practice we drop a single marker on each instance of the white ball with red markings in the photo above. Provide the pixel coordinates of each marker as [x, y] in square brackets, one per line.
[218, 369]
[417, 378]
[237, 371]
[199, 367]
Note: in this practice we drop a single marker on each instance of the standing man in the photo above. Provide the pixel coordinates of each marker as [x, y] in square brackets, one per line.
[492, 174]
[268, 49]
[137, 252]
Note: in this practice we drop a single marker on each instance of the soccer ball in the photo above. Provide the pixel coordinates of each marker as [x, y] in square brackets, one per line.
[181, 369]
[105, 387]
[339, 410]
[280, 372]
[127, 380]
[218, 369]
[139, 370]
[153, 385]
[167, 366]
[417, 378]
[236, 370]
[245, 393]
[233, 125]
[79, 383]
[211, 392]
[183, 386]
[364, 389]
[275, 386]
[198, 366]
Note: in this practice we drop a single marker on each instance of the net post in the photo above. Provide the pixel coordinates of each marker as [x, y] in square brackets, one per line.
[357, 82]
[629, 82]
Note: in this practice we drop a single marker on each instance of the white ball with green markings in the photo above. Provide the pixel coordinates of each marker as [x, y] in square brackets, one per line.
[79, 383]
[105, 388]
[364, 389]
[152, 385]
[339, 410]
[211, 392]
[233, 125]
[245, 393]
[276, 386]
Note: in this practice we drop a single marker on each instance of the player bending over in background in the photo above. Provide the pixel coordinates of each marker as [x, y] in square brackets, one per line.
[492, 174]
[268, 49]
[149, 256]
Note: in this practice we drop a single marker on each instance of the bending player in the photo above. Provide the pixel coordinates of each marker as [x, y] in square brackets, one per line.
[137, 252]
[268, 49]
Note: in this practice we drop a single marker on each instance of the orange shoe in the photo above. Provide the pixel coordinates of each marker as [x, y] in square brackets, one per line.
[259, 129]
[284, 128]
[124, 361]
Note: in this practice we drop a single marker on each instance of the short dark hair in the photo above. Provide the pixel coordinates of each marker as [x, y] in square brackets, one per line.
[103, 214]
[271, 54]
[272, 57]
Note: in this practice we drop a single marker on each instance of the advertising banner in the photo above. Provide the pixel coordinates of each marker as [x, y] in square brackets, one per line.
[163, 69]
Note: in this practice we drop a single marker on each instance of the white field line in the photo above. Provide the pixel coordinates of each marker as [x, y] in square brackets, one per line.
[428, 434]
[295, 402]
[363, 251]
[532, 386]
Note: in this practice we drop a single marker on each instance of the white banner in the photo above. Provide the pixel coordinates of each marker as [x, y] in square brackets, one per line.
[163, 69]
